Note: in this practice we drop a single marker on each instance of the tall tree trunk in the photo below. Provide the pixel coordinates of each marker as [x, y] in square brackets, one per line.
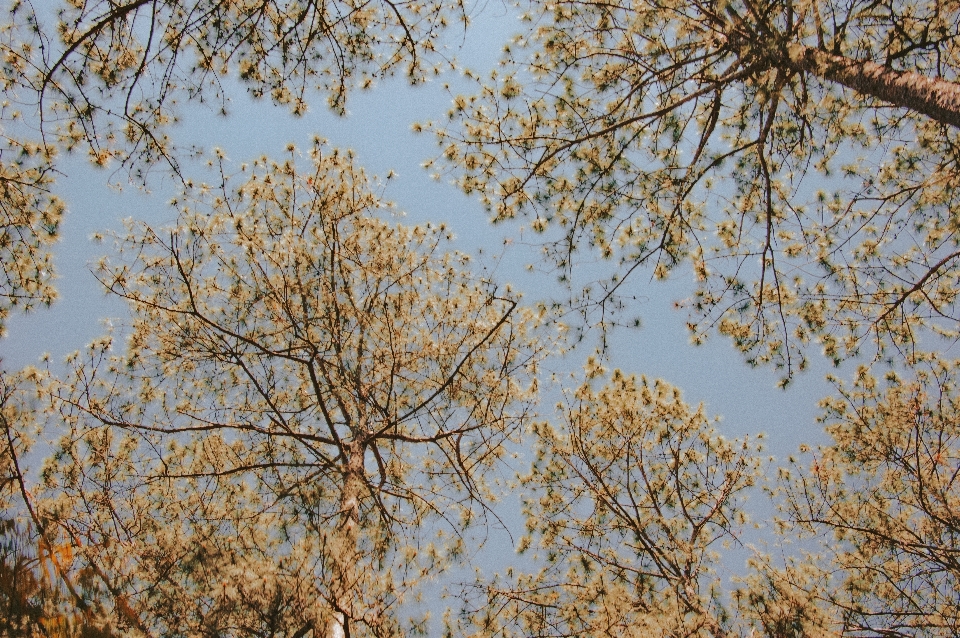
[934, 97]
[344, 559]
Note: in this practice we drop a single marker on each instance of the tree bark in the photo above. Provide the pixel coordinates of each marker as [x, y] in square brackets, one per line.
[936, 98]
[344, 559]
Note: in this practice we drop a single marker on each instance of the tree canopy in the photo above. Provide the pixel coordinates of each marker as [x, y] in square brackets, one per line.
[799, 158]
[333, 385]
[110, 79]
[885, 491]
[627, 506]
[312, 416]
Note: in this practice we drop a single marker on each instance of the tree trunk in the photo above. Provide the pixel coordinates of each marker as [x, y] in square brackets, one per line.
[344, 557]
[934, 97]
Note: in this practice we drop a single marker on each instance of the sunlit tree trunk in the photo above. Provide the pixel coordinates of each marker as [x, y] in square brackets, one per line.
[345, 545]
[934, 97]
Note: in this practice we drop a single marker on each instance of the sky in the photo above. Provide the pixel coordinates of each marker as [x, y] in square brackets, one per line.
[378, 127]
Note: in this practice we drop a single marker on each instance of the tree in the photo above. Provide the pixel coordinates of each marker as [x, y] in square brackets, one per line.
[626, 504]
[109, 78]
[24, 586]
[29, 213]
[798, 157]
[309, 404]
[113, 76]
[40, 593]
[308, 396]
[630, 496]
[885, 493]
